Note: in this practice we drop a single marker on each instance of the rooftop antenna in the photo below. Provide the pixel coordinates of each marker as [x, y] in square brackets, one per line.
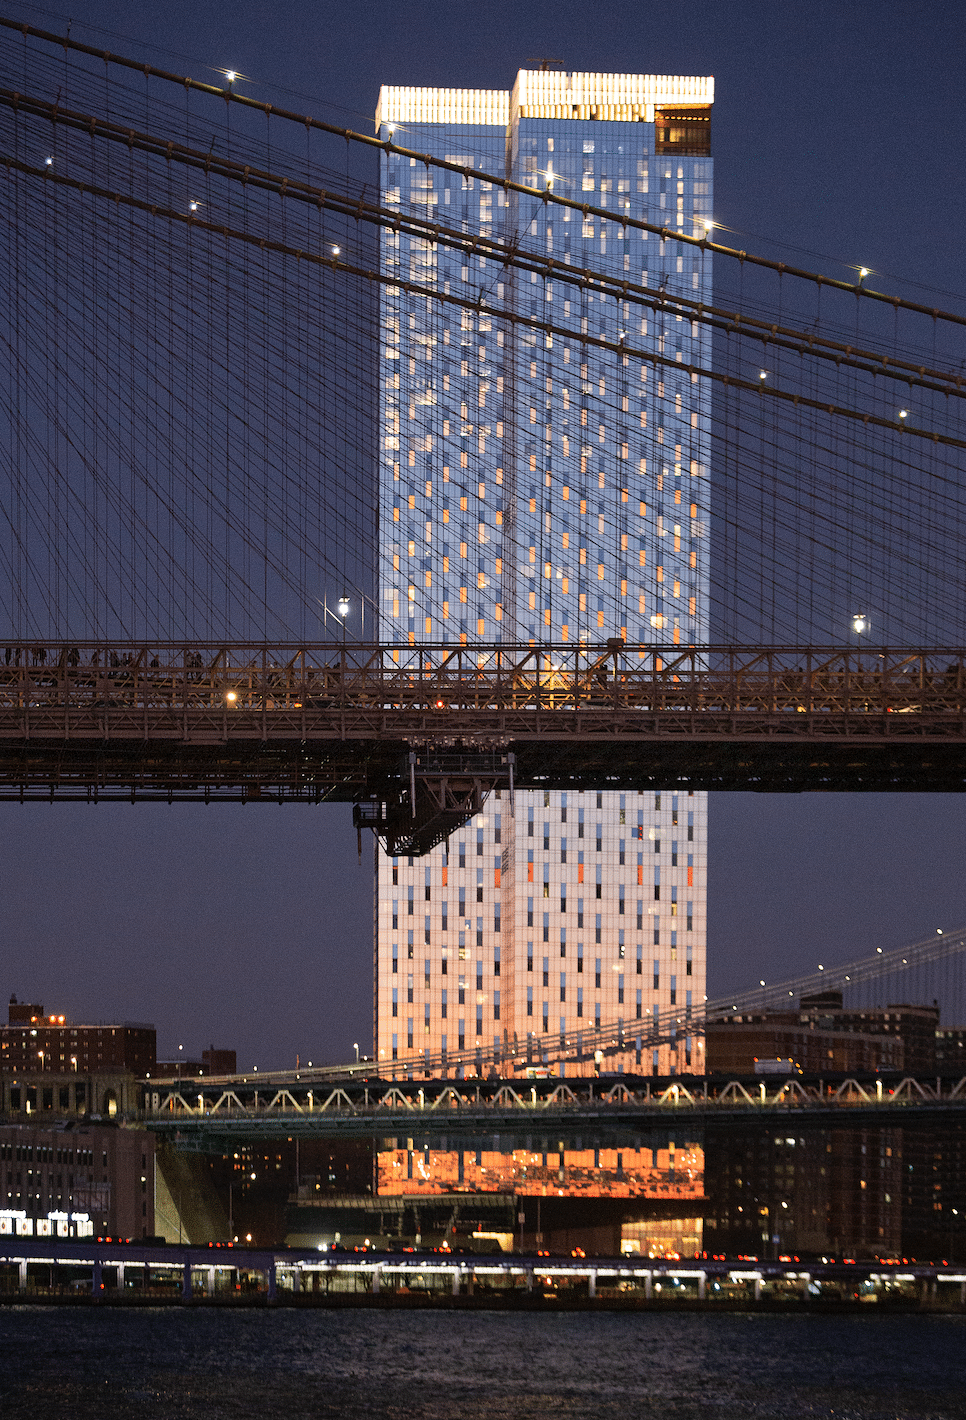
[543, 62]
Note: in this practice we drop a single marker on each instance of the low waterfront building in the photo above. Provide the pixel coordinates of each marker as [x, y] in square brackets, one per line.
[107, 1094]
[76, 1180]
[820, 1035]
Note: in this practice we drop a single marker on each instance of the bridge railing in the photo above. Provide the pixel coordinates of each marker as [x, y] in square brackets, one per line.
[391, 1104]
[438, 680]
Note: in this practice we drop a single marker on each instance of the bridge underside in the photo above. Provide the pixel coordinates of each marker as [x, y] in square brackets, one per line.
[373, 771]
[416, 737]
[605, 1125]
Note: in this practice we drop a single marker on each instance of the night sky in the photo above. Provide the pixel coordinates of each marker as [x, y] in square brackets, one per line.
[838, 140]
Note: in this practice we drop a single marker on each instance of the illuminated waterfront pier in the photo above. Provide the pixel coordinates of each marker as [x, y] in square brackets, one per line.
[118, 1272]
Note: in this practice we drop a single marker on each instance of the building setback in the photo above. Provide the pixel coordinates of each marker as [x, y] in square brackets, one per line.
[538, 489]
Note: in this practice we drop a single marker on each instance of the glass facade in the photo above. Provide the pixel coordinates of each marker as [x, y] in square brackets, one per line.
[541, 488]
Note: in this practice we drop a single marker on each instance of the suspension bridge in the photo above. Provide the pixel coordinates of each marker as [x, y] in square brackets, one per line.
[360, 1094]
[187, 454]
[213, 1119]
[416, 740]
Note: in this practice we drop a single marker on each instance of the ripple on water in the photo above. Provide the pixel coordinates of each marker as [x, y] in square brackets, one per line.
[215, 1365]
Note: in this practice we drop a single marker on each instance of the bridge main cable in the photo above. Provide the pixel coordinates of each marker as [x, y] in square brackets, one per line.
[858, 289]
[512, 255]
[619, 346]
[623, 1034]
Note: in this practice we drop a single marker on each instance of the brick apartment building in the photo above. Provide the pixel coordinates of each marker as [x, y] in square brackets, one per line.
[33, 1042]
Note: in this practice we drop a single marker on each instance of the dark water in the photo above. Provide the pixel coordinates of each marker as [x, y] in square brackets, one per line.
[214, 1365]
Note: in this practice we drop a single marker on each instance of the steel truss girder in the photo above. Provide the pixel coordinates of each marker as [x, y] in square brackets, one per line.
[514, 1125]
[309, 723]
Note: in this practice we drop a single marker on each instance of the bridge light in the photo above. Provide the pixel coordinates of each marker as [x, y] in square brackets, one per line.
[903, 414]
[231, 697]
[336, 250]
[343, 606]
[48, 162]
[861, 623]
[230, 75]
[863, 273]
[939, 931]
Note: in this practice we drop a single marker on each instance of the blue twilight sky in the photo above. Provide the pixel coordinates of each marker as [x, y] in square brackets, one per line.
[838, 138]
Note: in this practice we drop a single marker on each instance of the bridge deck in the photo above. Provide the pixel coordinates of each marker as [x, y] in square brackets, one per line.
[314, 722]
[206, 1115]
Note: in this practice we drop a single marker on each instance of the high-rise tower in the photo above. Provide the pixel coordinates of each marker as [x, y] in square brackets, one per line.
[537, 487]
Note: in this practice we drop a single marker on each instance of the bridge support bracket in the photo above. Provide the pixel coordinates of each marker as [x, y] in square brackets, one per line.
[434, 792]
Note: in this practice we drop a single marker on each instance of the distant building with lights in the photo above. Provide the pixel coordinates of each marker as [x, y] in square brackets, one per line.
[76, 1180]
[212, 1062]
[33, 1042]
[823, 1035]
[540, 490]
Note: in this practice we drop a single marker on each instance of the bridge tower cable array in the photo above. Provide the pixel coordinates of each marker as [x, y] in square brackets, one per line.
[816, 343]
[189, 441]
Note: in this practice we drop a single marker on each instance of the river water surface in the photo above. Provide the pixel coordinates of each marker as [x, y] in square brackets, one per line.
[69, 1364]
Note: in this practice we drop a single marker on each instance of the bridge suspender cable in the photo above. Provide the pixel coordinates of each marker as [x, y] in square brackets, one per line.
[630, 1034]
[601, 213]
[119, 199]
[796, 470]
[511, 255]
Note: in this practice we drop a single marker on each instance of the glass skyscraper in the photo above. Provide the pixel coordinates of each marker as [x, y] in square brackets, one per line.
[540, 488]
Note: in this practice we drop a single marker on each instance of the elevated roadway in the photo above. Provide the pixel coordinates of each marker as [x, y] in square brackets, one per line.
[416, 736]
[211, 1115]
